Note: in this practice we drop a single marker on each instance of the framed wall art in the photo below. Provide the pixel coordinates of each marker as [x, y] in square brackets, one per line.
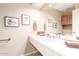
[54, 25]
[25, 19]
[11, 21]
[45, 27]
[34, 26]
[50, 23]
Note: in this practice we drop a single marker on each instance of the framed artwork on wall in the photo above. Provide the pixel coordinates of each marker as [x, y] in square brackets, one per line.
[50, 23]
[45, 27]
[11, 21]
[34, 26]
[54, 25]
[25, 19]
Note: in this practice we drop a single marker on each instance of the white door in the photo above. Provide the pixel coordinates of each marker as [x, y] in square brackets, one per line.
[75, 22]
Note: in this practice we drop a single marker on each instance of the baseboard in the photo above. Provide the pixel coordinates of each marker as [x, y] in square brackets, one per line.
[32, 52]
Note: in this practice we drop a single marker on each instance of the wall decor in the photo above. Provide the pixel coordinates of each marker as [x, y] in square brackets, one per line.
[45, 27]
[11, 21]
[34, 26]
[50, 23]
[25, 19]
[54, 25]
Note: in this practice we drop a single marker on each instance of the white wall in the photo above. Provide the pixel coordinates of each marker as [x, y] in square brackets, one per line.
[19, 35]
[55, 15]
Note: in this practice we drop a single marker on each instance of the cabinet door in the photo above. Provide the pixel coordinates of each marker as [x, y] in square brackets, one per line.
[64, 20]
[75, 22]
[69, 20]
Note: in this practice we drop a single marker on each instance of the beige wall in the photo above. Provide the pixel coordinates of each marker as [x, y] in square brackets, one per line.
[19, 35]
[67, 31]
[76, 5]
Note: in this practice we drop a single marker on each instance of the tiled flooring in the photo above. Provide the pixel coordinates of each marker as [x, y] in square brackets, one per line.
[36, 54]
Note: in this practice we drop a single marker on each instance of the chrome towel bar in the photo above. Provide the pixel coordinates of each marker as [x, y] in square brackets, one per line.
[6, 39]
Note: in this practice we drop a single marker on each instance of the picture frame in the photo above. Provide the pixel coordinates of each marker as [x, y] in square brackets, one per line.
[11, 21]
[54, 25]
[34, 26]
[50, 23]
[25, 19]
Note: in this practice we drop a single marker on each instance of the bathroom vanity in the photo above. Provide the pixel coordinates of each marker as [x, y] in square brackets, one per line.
[52, 46]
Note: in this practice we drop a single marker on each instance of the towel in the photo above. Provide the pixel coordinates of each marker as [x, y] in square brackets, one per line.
[72, 44]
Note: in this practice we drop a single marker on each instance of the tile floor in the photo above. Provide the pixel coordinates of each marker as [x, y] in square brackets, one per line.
[36, 54]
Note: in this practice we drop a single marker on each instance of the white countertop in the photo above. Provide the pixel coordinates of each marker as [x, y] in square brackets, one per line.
[56, 44]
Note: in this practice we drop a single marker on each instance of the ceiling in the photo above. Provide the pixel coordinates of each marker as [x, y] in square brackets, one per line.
[59, 6]
[66, 8]
[63, 7]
